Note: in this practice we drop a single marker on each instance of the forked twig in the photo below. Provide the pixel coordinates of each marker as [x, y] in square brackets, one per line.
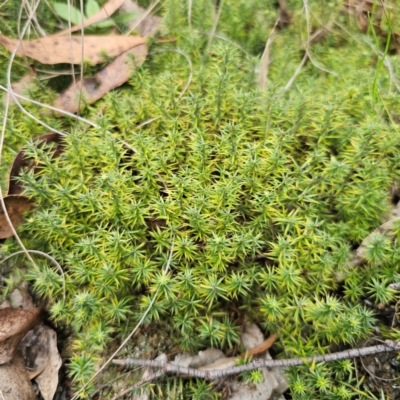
[388, 346]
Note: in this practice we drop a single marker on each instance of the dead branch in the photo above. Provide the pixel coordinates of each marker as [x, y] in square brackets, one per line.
[166, 367]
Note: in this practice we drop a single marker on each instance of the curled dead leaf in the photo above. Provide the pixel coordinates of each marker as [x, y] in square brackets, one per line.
[92, 89]
[58, 49]
[14, 325]
[22, 161]
[16, 206]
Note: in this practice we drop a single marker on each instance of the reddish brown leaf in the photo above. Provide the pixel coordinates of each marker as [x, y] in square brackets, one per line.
[59, 49]
[105, 12]
[16, 206]
[92, 89]
[22, 161]
[14, 325]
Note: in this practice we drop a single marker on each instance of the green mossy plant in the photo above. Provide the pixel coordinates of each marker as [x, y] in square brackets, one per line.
[260, 197]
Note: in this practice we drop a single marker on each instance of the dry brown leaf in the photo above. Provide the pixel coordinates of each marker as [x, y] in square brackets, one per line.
[14, 381]
[59, 49]
[14, 324]
[105, 12]
[22, 162]
[92, 89]
[42, 359]
[16, 206]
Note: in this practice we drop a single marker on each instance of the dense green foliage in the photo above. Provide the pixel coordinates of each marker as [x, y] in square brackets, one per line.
[258, 196]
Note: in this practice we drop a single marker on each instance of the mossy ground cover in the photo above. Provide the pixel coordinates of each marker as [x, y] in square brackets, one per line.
[260, 197]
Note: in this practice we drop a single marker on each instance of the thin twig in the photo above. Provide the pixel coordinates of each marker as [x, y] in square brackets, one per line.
[38, 103]
[189, 61]
[264, 63]
[224, 38]
[296, 72]
[307, 54]
[373, 376]
[309, 41]
[389, 346]
[214, 27]
[143, 17]
[386, 61]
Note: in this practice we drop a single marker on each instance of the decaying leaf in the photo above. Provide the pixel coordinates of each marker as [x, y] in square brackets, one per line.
[42, 359]
[105, 12]
[14, 324]
[113, 75]
[22, 161]
[59, 49]
[16, 206]
[14, 381]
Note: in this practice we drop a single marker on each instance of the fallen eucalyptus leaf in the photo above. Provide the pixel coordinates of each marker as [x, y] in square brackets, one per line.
[59, 49]
[92, 89]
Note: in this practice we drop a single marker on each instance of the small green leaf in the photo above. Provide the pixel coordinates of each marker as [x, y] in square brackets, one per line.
[91, 8]
[68, 13]
[121, 19]
[103, 24]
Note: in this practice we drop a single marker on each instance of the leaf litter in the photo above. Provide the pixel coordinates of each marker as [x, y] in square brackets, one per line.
[56, 49]
[92, 89]
[31, 353]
